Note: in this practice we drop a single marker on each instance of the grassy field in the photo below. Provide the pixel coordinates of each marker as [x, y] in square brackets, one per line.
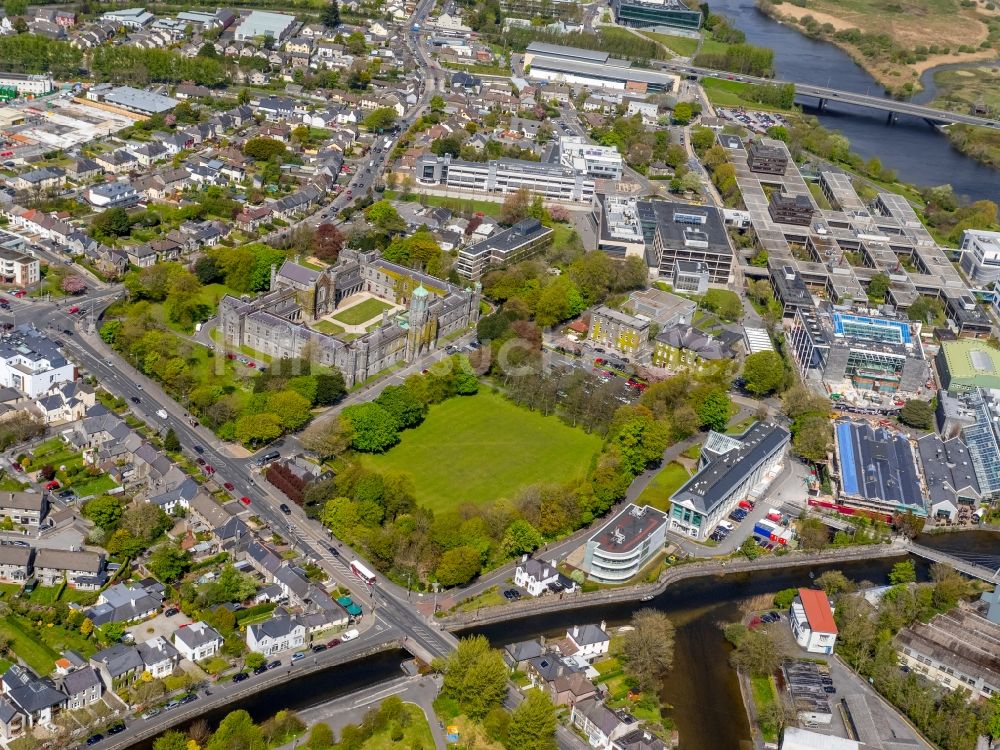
[29, 648]
[725, 93]
[416, 734]
[462, 205]
[682, 45]
[362, 312]
[56, 453]
[664, 484]
[763, 696]
[482, 448]
[960, 88]
[327, 326]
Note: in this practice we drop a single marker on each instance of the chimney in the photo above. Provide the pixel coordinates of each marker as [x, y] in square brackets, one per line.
[576, 631]
[604, 626]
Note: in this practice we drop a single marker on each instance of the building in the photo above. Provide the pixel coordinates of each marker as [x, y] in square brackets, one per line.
[690, 233]
[159, 657]
[79, 569]
[690, 277]
[652, 14]
[966, 364]
[33, 696]
[505, 176]
[119, 666]
[24, 508]
[277, 323]
[805, 739]
[26, 83]
[131, 18]
[627, 333]
[981, 436]
[619, 230]
[684, 347]
[15, 563]
[571, 65]
[768, 156]
[588, 642]
[257, 23]
[132, 100]
[602, 162]
[949, 477]
[112, 195]
[32, 364]
[663, 308]
[537, 577]
[729, 470]
[126, 603]
[197, 641]
[18, 268]
[877, 469]
[82, 687]
[958, 649]
[280, 633]
[599, 724]
[624, 546]
[980, 256]
[40, 180]
[520, 241]
[863, 352]
[797, 210]
[757, 340]
[811, 620]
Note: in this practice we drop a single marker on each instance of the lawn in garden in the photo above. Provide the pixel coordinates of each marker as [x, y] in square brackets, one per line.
[482, 448]
[664, 484]
[362, 312]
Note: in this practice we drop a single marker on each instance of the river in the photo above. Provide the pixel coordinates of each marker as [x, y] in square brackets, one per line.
[917, 151]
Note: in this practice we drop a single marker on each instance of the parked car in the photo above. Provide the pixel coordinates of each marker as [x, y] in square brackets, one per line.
[261, 669]
[94, 739]
[240, 677]
[116, 728]
[319, 647]
[170, 611]
[229, 486]
[53, 485]
[298, 655]
[245, 500]
[151, 713]
[189, 698]
[274, 664]
[334, 642]
[511, 595]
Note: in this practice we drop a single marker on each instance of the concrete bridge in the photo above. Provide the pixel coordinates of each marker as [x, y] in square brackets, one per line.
[971, 564]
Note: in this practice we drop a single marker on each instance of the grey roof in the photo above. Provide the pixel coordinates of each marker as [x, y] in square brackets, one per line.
[276, 627]
[29, 692]
[7, 711]
[538, 569]
[23, 500]
[144, 101]
[298, 274]
[558, 50]
[713, 483]
[601, 70]
[550, 667]
[640, 739]
[947, 467]
[156, 650]
[599, 715]
[196, 634]
[119, 659]
[673, 222]
[877, 464]
[80, 681]
[11, 555]
[186, 490]
[123, 603]
[90, 562]
[585, 635]
[523, 650]
[693, 340]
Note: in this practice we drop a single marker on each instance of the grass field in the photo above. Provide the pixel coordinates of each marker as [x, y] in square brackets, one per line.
[682, 45]
[488, 208]
[29, 648]
[362, 312]
[56, 453]
[481, 448]
[327, 326]
[416, 734]
[763, 696]
[725, 93]
[664, 484]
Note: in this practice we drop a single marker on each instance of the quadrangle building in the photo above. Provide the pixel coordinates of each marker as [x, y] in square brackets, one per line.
[277, 322]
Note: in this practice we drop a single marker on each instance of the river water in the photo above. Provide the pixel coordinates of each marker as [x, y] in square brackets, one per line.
[917, 151]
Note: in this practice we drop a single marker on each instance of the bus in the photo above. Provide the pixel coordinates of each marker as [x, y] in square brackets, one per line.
[362, 572]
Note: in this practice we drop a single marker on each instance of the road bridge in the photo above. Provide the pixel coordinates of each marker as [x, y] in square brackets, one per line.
[983, 567]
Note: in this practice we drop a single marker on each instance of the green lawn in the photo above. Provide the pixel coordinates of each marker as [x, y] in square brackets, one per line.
[28, 647]
[462, 205]
[327, 326]
[763, 696]
[56, 453]
[416, 734]
[682, 45]
[725, 93]
[664, 484]
[93, 486]
[362, 312]
[481, 448]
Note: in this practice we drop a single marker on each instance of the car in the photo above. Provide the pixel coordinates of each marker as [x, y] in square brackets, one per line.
[189, 698]
[199, 450]
[67, 332]
[116, 728]
[261, 669]
[200, 461]
[334, 642]
[298, 655]
[66, 493]
[19, 293]
[229, 486]
[16, 466]
[53, 485]
[333, 551]
[251, 364]
[285, 509]
[274, 664]
[151, 713]
[171, 611]
[319, 647]
[172, 705]
[240, 677]
[245, 500]
[209, 469]
[73, 310]
[94, 739]
[830, 689]
[109, 363]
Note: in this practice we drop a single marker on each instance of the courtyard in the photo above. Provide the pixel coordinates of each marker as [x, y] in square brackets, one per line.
[355, 316]
[482, 448]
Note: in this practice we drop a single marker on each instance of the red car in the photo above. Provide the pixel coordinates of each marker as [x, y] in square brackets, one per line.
[245, 500]
[209, 469]
[230, 356]
[251, 364]
[200, 461]
[334, 642]
[17, 467]
[73, 310]
[229, 486]
[20, 293]
[53, 485]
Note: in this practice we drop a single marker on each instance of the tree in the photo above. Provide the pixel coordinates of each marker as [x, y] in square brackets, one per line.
[328, 242]
[520, 537]
[331, 15]
[230, 586]
[459, 565]
[406, 409]
[380, 119]
[328, 438]
[320, 737]
[648, 649]
[533, 723]
[254, 660]
[813, 438]
[763, 373]
[475, 675]
[168, 562]
[903, 572]
[813, 534]
[330, 387]
[257, 429]
[293, 409]
[104, 511]
[171, 740]
[171, 442]
[713, 411]
[207, 270]
[683, 113]
[834, 582]
[264, 149]
[374, 428]
[385, 217]
[878, 286]
[724, 303]
[750, 549]
[560, 300]
[73, 284]
[516, 206]
[757, 653]
[919, 414]
[110, 224]
[237, 731]
[949, 587]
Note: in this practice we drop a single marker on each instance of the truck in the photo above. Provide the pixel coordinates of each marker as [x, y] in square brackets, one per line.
[361, 571]
[764, 528]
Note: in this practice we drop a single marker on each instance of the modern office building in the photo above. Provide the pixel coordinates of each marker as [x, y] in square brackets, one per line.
[552, 62]
[791, 209]
[618, 227]
[730, 469]
[768, 156]
[505, 176]
[691, 233]
[621, 548]
[33, 364]
[520, 241]
[690, 277]
[648, 14]
[258, 23]
[980, 257]
[790, 289]
[602, 162]
[966, 364]
[866, 352]
[981, 435]
[877, 469]
[26, 83]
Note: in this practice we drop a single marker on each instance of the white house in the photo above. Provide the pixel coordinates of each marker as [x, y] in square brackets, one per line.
[590, 641]
[33, 364]
[812, 623]
[537, 576]
[197, 641]
[599, 724]
[159, 656]
[278, 634]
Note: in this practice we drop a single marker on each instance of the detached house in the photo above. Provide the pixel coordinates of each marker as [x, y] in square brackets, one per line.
[588, 642]
[536, 577]
[197, 641]
[281, 633]
[159, 657]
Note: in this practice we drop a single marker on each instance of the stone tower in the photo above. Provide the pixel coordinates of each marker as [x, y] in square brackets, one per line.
[417, 319]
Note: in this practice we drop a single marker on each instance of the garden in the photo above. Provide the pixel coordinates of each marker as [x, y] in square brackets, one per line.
[55, 459]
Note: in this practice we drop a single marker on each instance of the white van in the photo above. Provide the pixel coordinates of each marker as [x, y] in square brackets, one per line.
[349, 635]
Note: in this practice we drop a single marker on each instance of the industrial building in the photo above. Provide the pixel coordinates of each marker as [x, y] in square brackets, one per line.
[553, 62]
[877, 469]
[620, 549]
[730, 469]
[966, 364]
[520, 241]
[864, 352]
[505, 176]
[258, 23]
[26, 83]
[602, 162]
[133, 100]
[980, 257]
[651, 14]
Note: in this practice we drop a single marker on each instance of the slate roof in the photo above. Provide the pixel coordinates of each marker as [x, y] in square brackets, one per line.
[80, 681]
[196, 634]
[119, 659]
[586, 635]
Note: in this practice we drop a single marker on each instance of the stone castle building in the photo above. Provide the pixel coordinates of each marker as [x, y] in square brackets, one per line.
[276, 323]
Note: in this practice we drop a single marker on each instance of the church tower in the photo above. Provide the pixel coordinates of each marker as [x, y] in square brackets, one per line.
[417, 336]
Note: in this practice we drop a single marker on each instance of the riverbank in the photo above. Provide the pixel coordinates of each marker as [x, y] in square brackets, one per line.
[917, 42]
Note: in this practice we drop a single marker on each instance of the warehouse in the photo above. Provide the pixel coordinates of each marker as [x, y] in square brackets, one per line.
[551, 62]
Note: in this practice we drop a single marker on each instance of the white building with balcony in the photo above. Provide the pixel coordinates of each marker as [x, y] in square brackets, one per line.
[620, 550]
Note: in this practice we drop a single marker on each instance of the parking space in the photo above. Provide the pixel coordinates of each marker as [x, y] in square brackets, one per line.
[160, 625]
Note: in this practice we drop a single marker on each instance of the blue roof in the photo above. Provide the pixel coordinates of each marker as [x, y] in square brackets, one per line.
[901, 327]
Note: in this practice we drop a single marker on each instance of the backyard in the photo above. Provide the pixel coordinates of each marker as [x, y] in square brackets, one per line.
[40, 647]
[664, 484]
[482, 448]
[70, 469]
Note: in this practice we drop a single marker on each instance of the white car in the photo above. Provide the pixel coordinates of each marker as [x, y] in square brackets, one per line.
[161, 413]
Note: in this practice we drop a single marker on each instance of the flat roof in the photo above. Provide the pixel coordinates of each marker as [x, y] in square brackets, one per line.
[558, 50]
[818, 612]
[902, 327]
[972, 362]
[144, 101]
[600, 70]
[877, 464]
[629, 528]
